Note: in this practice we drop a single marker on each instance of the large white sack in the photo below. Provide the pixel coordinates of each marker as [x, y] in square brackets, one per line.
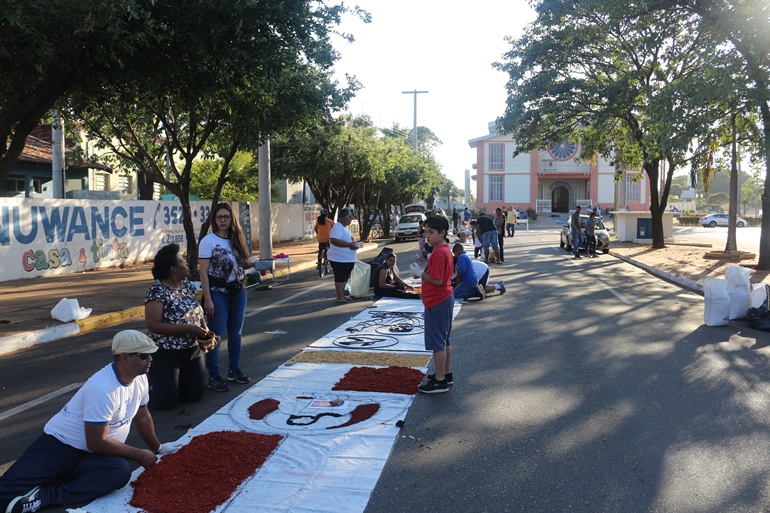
[739, 290]
[68, 310]
[758, 294]
[359, 279]
[717, 304]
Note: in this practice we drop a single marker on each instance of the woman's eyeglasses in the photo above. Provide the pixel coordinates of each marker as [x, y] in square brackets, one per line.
[223, 218]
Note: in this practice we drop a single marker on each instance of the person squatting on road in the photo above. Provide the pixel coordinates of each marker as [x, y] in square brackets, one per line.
[82, 454]
[438, 299]
[175, 321]
[486, 226]
[387, 282]
[482, 271]
[342, 252]
[223, 255]
[465, 281]
[577, 239]
[472, 276]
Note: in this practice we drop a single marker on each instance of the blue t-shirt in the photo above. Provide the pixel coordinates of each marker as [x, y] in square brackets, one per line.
[466, 270]
[590, 223]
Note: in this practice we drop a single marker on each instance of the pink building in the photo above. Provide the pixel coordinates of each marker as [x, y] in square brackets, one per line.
[549, 180]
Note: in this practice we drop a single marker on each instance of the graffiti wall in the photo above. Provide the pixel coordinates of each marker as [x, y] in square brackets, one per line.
[39, 237]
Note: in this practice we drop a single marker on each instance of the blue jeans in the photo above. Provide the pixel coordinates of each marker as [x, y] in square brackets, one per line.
[229, 313]
[490, 239]
[464, 290]
[577, 240]
[47, 461]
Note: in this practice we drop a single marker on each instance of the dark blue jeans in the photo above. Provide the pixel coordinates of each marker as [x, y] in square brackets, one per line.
[66, 476]
[229, 314]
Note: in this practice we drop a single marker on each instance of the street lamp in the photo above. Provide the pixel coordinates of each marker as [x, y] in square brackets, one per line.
[414, 131]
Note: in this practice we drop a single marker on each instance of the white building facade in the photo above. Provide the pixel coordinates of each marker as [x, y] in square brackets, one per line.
[549, 181]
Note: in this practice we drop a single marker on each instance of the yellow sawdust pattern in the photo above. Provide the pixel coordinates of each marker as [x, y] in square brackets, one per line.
[362, 358]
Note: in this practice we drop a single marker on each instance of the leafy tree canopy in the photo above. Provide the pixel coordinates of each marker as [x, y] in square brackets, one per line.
[618, 86]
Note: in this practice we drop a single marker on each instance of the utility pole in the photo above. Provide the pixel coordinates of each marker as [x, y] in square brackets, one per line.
[265, 181]
[414, 131]
[57, 156]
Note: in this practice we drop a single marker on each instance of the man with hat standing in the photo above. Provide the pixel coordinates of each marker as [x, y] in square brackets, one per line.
[342, 252]
[82, 454]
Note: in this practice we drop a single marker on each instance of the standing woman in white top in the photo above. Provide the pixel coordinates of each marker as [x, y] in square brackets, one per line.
[342, 252]
[223, 256]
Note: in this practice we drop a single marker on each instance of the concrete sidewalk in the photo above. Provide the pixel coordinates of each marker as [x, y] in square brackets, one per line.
[114, 295]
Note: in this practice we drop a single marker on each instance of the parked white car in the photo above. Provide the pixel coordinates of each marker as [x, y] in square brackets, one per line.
[714, 220]
[408, 226]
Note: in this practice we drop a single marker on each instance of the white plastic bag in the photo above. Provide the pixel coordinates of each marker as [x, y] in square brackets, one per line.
[758, 294]
[68, 310]
[739, 290]
[717, 307]
[359, 279]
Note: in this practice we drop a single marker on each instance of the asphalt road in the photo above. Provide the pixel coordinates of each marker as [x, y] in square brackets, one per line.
[591, 386]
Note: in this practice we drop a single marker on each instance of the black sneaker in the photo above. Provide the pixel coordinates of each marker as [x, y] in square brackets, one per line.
[237, 376]
[447, 378]
[217, 384]
[434, 387]
[502, 287]
[26, 503]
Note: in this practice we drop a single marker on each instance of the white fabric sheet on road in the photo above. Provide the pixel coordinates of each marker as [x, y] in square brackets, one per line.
[315, 468]
[394, 325]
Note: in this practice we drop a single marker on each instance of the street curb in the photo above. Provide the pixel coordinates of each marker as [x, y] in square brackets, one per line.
[19, 341]
[110, 319]
[687, 283]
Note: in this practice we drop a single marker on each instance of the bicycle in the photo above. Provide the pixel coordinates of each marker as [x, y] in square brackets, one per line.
[376, 231]
[324, 267]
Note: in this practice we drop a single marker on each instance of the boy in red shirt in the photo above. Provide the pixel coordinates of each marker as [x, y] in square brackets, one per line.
[438, 298]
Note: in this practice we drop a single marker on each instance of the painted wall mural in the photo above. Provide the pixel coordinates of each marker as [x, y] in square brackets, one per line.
[49, 236]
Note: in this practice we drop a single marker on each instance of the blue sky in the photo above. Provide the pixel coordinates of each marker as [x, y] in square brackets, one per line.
[444, 48]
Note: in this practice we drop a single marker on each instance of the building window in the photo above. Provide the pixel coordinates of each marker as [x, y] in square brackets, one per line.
[633, 187]
[496, 157]
[495, 188]
[17, 185]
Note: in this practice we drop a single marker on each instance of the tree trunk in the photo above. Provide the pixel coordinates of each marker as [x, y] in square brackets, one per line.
[764, 234]
[145, 186]
[656, 206]
[732, 211]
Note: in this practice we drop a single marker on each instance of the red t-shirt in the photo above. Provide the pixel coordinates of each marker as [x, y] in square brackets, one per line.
[440, 265]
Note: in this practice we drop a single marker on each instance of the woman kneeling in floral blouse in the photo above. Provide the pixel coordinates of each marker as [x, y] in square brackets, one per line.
[175, 321]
